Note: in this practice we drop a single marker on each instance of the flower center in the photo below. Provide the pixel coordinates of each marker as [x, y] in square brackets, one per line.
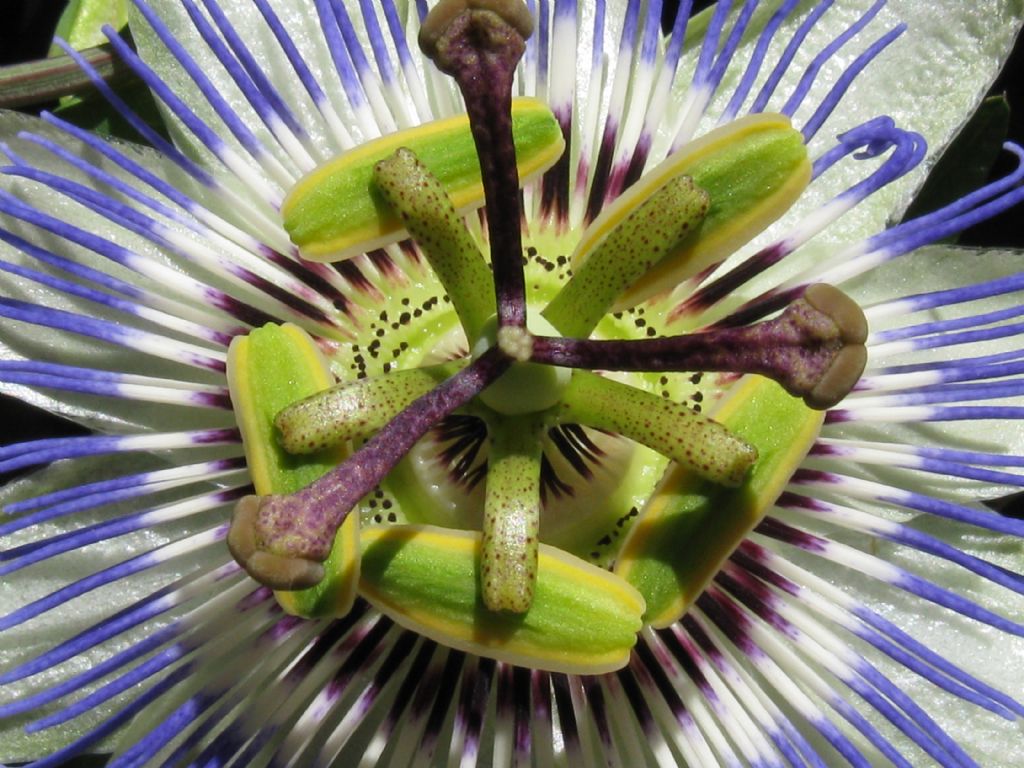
[525, 387]
[516, 394]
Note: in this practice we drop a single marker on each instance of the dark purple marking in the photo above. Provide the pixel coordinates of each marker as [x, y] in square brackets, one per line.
[728, 617]
[554, 199]
[839, 416]
[758, 598]
[790, 500]
[417, 679]
[476, 689]
[464, 436]
[217, 436]
[281, 629]
[768, 302]
[703, 640]
[317, 649]
[638, 160]
[653, 670]
[816, 476]
[597, 707]
[638, 701]
[385, 674]
[312, 274]
[356, 659]
[723, 286]
[254, 599]
[825, 449]
[351, 273]
[776, 529]
[599, 178]
[221, 400]
[566, 715]
[440, 704]
[522, 712]
[686, 654]
[383, 263]
[286, 297]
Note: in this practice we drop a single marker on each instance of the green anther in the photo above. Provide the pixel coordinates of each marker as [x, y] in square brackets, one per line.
[508, 566]
[753, 170]
[269, 369]
[354, 410]
[337, 212]
[428, 215]
[697, 443]
[583, 619]
[690, 526]
[634, 233]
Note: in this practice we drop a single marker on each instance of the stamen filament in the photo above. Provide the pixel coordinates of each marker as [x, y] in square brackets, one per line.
[354, 410]
[654, 228]
[508, 567]
[429, 216]
[696, 442]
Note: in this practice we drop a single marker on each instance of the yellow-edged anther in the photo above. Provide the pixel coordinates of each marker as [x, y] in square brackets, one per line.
[336, 212]
[690, 526]
[752, 169]
[582, 620]
[269, 369]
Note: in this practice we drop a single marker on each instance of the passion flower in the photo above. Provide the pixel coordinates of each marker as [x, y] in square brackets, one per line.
[630, 466]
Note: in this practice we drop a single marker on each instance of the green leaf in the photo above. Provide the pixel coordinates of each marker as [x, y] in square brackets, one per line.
[94, 113]
[82, 22]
